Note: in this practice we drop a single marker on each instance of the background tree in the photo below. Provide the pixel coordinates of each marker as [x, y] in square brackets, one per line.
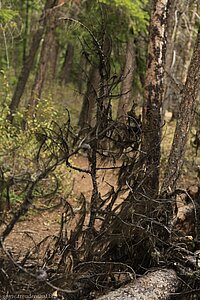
[67, 64]
[180, 29]
[23, 77]
[48, 40]
[127, 80]
[123, 226]
[89, 100]
[190, 97]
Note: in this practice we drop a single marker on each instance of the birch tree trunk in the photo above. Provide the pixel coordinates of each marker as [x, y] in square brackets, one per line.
[127, 82]
[151, 115]
[190, 97]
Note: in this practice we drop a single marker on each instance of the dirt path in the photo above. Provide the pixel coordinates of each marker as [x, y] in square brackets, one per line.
[38, 225]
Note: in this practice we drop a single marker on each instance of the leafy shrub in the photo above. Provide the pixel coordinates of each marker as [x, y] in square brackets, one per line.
[26, 154]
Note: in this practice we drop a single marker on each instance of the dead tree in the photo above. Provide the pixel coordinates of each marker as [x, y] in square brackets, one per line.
[155, 285]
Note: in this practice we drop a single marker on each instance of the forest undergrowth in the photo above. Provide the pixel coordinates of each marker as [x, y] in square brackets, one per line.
[66, 218]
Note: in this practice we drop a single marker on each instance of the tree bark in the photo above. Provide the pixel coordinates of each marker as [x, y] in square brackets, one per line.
[151, 115]
[127, 82]
[155, 285]
[24, 75]
[67, 65]
[43, 63]
[190, 96]
[178, 57]
[26, 31]
[82, 71]
[89, 97]
[172, 27]
[54, 58]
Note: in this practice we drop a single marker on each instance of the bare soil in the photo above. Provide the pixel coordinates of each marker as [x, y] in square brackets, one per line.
[36, 226]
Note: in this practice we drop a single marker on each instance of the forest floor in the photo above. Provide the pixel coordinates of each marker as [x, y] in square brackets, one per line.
[38, 225]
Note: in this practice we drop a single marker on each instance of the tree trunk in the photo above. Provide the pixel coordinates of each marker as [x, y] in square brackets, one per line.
[67, 65]
[82, 71]
[172, 27]
[155, 285]
[127, 82]
[89, 97]
[178, 57]
[190, 96]
[188, 40]
[54, 58]
[151, 118]
[23, 77]
[26, 29]
[43, 63]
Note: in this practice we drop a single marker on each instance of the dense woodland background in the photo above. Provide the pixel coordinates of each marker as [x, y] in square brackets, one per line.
[106, 90]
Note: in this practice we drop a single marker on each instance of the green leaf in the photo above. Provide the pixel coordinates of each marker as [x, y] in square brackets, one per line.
[7, 15]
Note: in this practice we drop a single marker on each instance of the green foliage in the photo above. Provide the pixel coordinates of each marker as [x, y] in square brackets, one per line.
[18, 148]
[21, 160]
[135, 12]
[7, 16]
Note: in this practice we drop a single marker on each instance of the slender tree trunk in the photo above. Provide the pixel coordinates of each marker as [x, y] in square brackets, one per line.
[26, 31]
[89, 97]
[173, 24]
[83, 68]
[178, 57]
[43, 63]
[54, 58]
[23, 77]
[190, 96]
[189, 40]
[127, 82]
[151, 118]
[67, 65]
[40, 75]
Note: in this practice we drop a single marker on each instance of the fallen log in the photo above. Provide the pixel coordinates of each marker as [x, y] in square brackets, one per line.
[160, 284]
